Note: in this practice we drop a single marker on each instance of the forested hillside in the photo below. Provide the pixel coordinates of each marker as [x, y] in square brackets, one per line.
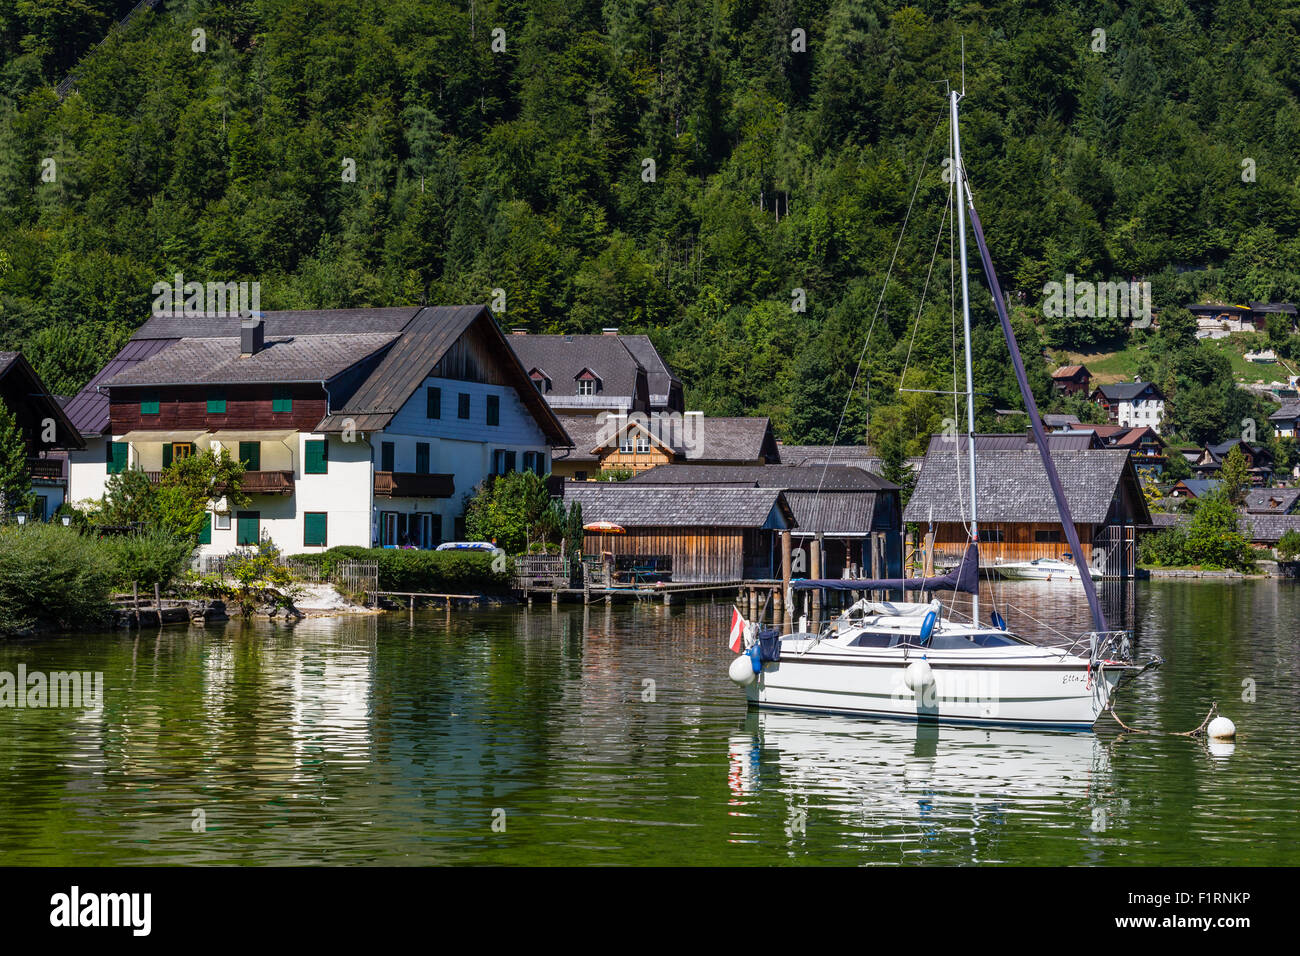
[775, 169]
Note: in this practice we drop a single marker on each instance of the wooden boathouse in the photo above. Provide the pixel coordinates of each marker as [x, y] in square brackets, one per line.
[708, 534]
[1018, 516]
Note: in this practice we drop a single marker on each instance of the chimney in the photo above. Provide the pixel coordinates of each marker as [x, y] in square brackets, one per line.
[252, 333]
[518, 331]
[610, 331]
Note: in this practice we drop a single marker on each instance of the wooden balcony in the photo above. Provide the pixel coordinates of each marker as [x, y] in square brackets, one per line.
[268, 483]
[45, 468]
[407, 484]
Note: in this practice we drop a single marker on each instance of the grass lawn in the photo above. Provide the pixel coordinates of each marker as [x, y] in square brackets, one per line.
[1121, 366]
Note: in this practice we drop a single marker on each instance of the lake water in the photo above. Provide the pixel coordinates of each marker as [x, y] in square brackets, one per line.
[534, 737]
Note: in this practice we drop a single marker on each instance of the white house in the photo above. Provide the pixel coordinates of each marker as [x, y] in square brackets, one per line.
[1134, 404]
[1286, 420]
[362, 427]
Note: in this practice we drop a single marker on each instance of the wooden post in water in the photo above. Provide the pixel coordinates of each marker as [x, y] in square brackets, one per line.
[877, 564]
[927, 569]
[815, 571]
[157, 601]
[785, 580]
[135, 601]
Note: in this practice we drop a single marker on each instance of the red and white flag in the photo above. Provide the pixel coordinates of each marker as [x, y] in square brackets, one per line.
[737, 631]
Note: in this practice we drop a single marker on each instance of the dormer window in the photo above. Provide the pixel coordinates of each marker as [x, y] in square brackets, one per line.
[541, 381]
[588, 382]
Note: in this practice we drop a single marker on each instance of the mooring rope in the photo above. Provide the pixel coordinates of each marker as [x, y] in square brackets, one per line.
[1110, 709]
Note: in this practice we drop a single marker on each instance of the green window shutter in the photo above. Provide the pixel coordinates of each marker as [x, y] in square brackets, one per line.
[167, 455]
[386, 456]
[247, 530]
[150, 404]
[422, 458]
[494, 409]
[462, 405]
[315, 457]
[281, 400]
[315, 526]
[205, 533]
[250, 453]
[216, 402]
[433, 402]
[115, 456]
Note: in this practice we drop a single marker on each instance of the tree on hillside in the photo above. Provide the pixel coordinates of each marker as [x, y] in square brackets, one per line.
[1235, 476]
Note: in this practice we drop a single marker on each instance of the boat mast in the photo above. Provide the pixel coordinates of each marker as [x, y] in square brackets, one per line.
[959, 177]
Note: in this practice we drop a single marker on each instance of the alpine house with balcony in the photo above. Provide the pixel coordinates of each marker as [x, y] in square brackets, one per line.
[359, 426]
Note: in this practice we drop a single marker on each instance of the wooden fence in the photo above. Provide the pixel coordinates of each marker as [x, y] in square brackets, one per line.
[541, 571]
[355, 575]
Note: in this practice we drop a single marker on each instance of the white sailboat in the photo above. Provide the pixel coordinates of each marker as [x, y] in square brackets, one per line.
[915, 660]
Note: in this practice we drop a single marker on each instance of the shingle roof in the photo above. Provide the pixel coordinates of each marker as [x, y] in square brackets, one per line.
[701, 438]
[564, 357]
[1268, 529]
[295, 358]
[281, 323]
[640, 506]
[1068, 371]
[1013, 487]
[833, 513]
[1288, 411]
[585, 431]
[1014, 441]
[787, 477]
[1127, 391]
[1272, 500]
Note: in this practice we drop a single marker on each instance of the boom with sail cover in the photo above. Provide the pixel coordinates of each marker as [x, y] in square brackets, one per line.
[965, 578]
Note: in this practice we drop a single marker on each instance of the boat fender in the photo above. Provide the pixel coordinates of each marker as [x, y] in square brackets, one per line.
[742, 670]
[755, 653]
[999, 621]
[927, 626]
[918, 675]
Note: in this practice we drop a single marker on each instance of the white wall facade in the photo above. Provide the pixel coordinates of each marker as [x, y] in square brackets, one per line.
[1142, 413]
[87, 472]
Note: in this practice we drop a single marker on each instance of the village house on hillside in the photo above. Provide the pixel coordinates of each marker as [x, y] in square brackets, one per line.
[1259, 460]
[1286, 421]
[1134, 403]
[1274, 501]
[1142, 442]
[615, 443]
[1072, 379]
[1018, 516]
[356, 426]
[855, 515]
[45, 428]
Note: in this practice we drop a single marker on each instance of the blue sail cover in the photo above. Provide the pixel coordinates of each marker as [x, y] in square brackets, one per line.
[965, 577]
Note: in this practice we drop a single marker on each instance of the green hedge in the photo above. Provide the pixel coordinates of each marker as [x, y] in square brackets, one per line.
[52, 576]
[437, 572]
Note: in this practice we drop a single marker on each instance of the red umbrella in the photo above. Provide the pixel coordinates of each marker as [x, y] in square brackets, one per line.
[605, 527]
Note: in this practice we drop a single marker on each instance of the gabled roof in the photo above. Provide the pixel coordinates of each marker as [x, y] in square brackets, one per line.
[700, 438]
[1013, 487]
[640, 506]
[1288, 412]
[1199, 487]
[1069, 371]
[1127, 391]
[19, 381]
[585, 431]
[424, 340]
[1013, 441]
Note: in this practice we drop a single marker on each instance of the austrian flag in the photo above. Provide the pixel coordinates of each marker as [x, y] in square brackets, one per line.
[737, 630]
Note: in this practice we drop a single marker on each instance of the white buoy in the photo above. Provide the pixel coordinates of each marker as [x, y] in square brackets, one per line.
[918, 675]
[1221, 728]
[742, 670]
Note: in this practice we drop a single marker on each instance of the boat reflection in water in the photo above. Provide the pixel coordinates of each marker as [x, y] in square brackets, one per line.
[917, 785]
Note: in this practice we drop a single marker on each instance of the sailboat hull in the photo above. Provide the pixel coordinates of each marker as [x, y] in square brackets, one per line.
[1031, 691]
